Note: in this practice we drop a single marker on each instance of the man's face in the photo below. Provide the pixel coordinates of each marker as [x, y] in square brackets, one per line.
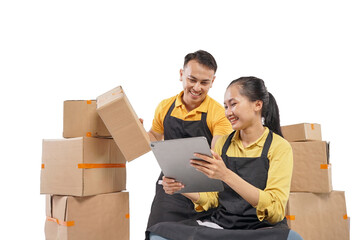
[197, 80]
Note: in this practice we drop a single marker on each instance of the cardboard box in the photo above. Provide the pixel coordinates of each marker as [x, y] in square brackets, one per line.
[81, 119]
[302, 132]
[318, 216]
[312, 170]
[104, 216]
[82, 166]
[122, 122]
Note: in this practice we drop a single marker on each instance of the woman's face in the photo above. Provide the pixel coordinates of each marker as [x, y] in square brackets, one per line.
[241, 112]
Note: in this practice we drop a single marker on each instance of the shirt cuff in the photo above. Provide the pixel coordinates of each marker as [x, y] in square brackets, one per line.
[203, 199]
[262, 206]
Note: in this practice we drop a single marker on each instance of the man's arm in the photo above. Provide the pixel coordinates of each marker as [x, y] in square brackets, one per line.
[213, 141]
[154, 136]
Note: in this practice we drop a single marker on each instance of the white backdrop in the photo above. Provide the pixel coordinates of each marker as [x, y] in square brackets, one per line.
[50, 51]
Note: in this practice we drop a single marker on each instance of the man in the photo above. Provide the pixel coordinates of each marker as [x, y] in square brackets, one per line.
[191, 113]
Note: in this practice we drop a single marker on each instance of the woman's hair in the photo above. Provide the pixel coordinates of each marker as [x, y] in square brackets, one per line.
[254, 89]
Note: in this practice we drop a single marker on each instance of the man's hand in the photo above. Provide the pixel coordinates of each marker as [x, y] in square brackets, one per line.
[171, 186]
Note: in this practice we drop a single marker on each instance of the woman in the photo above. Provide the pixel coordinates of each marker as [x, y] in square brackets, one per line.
[255, 164]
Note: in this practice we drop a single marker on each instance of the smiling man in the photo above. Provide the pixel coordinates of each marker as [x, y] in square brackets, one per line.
[191, 113]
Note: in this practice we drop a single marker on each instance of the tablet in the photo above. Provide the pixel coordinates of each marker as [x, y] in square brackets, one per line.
[174, 157]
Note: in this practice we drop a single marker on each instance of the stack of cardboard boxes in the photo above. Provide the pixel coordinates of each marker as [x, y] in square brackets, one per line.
[84, 175]
[314, 210]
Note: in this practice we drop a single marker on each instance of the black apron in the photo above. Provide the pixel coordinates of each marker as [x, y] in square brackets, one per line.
[234, 214]
[176, 207]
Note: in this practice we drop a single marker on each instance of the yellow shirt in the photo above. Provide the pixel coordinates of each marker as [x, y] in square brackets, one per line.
[273, 199]
[216, 120]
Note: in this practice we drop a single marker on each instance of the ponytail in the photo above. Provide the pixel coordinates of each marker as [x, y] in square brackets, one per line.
[271, 116]
[254, 89]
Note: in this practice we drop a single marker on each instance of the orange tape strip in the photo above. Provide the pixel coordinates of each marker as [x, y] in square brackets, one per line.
[101, 165]
[345, 216]
[88, 134]
[127, 216]
[62, 223]
[324, 166]
[312, 126]
[42, 165]
[290, 217]
[88, 101]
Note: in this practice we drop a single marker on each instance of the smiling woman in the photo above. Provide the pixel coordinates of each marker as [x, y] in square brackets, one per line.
[255, 164]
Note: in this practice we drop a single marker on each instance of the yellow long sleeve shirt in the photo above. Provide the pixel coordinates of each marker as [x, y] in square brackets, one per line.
[273, 199]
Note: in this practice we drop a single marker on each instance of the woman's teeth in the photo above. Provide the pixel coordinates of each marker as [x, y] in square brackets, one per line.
[233, 119]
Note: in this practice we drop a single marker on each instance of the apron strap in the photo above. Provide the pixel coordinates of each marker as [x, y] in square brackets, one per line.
[264, 152]
[267, 144]
[207, 132]
[170, 110]
[227, 144]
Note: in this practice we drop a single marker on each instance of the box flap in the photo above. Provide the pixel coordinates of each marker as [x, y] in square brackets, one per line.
[48, 205]
[328, 152]
[59, 206]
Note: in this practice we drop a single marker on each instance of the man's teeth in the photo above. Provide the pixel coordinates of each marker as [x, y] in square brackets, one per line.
[195, 94]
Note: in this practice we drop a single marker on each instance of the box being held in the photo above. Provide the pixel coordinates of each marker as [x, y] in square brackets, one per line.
[104, 216]
[122, 122]
[302, 132]
[318, 216]
[312, 170]
[82, 166]
[81, 119]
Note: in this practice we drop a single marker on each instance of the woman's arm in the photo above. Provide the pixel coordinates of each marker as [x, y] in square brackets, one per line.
[215, 168]
[269, 203]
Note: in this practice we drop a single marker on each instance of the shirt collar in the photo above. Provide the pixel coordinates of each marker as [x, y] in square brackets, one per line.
[202, 108]
[259, 142]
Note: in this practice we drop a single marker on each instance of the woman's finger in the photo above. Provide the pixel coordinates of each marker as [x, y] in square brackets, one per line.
[208, 172]
[200, 163]
[204, 157]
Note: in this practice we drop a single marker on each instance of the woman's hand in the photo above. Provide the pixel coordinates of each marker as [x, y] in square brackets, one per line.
[213, 167]
[171, 186]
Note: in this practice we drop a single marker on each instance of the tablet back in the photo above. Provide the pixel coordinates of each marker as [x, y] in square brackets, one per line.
[174, 157]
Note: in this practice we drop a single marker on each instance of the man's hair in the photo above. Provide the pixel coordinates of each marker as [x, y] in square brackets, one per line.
[202, 57]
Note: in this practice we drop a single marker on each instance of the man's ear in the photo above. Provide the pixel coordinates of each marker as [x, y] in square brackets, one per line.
[181, 74]
[212, 81]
